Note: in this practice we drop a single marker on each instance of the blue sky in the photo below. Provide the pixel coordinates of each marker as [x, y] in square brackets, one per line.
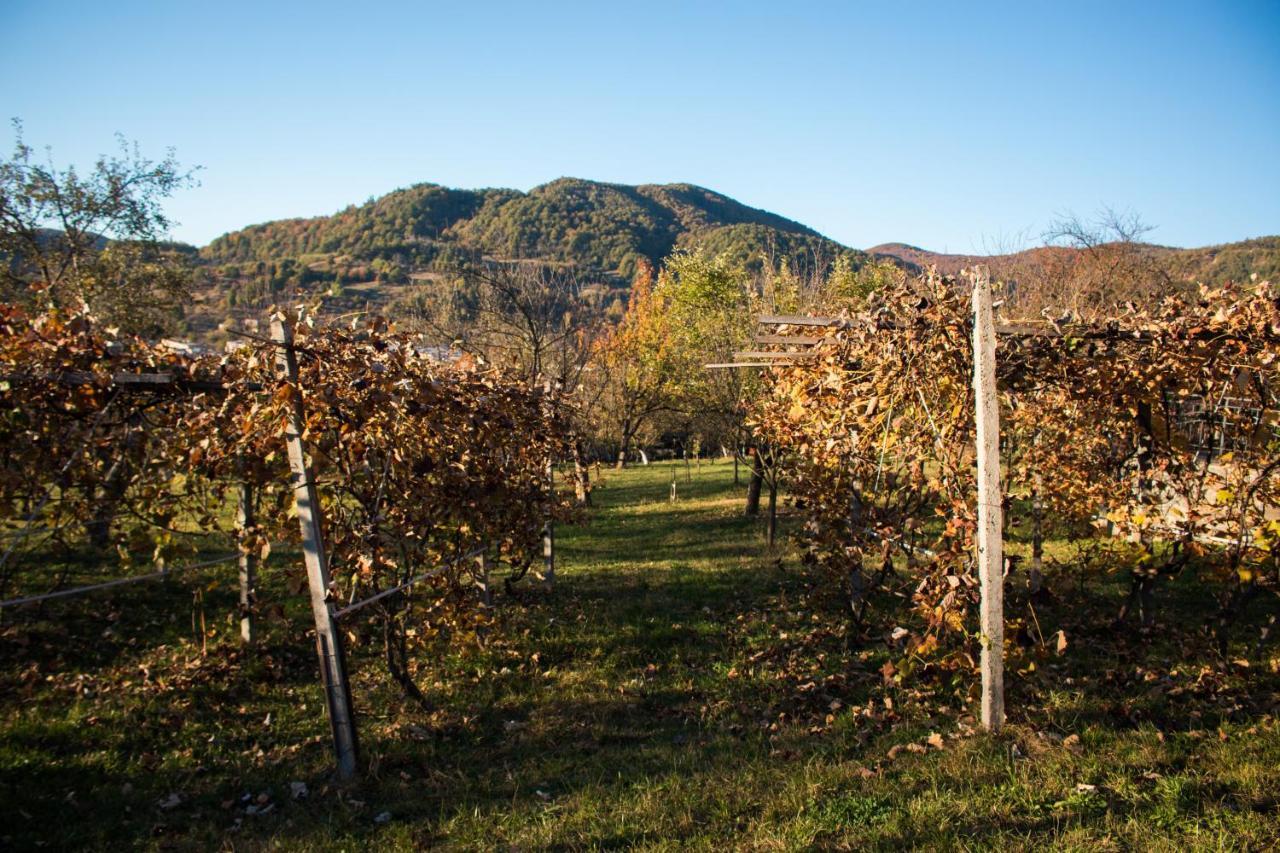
[949, 126]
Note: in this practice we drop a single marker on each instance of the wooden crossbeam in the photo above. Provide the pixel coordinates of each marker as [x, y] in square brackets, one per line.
[788, 340]
[777, 356]
[1018, 330]
[728, 364]
[131, 381]
[1007, 330]
[796, 320]
[768, 354]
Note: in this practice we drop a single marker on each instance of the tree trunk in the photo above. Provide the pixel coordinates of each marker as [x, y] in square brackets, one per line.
[581, 477]
[1232, 609]
[624, 450]
[1141, 598]
[753, 488]
[771, 534]
[98, 527]
[1036, 578]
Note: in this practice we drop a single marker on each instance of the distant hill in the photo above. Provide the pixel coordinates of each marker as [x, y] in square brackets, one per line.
[916, 258]
[392, 252]
[605, 229]
[1208, 265]
[599, 227]
[1229, 262]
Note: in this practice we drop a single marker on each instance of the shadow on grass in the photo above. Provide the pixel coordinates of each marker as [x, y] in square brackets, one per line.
[601, 714]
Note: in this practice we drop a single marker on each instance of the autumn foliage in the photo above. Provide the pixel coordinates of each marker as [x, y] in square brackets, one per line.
[1159, 427]
[416, 462]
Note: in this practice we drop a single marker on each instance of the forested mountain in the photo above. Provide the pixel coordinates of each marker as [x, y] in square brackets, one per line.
[397, 253]
[599, 227]
[603, 229]
[1228, 262]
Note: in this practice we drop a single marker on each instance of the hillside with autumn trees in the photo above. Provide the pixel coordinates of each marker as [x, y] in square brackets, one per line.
[409, 249]
[601, 228]
[1209, 264]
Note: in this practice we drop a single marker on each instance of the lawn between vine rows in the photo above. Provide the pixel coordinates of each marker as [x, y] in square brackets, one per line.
[682, 687]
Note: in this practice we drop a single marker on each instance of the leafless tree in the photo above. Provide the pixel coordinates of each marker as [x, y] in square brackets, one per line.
[528, 318]
[1106, 263]
[525, 317]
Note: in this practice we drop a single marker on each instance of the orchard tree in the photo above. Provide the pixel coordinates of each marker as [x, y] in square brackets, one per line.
[76, 241]
[710, 305]
[636, 366]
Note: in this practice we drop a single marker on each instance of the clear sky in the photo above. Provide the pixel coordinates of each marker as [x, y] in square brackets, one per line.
[945, 125]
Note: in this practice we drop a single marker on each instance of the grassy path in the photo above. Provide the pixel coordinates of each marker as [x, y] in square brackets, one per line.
[676, 691]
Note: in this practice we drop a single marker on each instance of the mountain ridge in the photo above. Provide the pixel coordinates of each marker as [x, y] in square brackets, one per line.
[600, 226]
[388, 250]
[1214, 264]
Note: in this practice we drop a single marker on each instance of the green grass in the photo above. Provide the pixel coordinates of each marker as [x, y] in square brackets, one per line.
[681, 688]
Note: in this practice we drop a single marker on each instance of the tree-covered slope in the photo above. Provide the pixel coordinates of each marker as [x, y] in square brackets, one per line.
[403, 220]
[600, 226]
[597, 226]
[1230, 261]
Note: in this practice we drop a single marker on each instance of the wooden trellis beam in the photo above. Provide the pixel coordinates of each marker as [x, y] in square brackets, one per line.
[788, 340]
[797, 320]
[764, 354]
[1083, 331]
[727, 364]
[132, 381]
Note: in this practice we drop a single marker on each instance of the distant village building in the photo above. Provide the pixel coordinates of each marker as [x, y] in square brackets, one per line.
[191, 349]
